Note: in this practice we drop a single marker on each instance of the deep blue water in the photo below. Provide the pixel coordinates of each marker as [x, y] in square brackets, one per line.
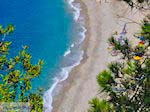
[44, 26]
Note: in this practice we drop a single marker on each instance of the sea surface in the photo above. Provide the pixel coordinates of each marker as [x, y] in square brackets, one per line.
[53, 31]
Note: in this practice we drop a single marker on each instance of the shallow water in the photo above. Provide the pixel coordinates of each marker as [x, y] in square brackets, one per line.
[53, 32]
[43, 25]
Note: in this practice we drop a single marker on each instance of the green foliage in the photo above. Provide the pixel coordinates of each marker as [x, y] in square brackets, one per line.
[146, 30]
[139, 4]
[124, 49]
[17, 74]
[99, 106]
[36, 103]
[9, 29]
[104, 78]
[114, 67]
[127, 82]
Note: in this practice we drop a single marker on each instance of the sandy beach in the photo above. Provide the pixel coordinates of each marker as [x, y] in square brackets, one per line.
[102, 19]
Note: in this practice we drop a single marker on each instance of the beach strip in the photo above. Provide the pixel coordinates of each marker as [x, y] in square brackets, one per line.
[101, 21]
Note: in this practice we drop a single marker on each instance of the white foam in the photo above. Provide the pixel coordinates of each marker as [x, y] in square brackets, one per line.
[76, 10]
[47, 99]
[72, 45]
[48, 95]
[67, 52]
[82, 34]
[66, 70]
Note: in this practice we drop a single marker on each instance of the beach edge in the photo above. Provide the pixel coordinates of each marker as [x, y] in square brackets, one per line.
[66, 84]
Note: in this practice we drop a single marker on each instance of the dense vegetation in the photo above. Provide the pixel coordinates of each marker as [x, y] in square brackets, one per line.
[16, 74]
[127, 81]
[139, 4]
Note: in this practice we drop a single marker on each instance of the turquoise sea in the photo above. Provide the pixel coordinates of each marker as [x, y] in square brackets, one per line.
[51, 30]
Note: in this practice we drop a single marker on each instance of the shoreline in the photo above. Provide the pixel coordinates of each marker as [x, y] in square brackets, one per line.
[80, 86]
[66, 84]
[55, 90]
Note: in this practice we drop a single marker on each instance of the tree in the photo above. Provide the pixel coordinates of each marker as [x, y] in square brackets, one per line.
[99, 106]
[127, 81]
[139, 4]
[16, 74]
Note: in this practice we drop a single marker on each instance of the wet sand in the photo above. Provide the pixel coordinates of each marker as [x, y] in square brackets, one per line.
[102, 19]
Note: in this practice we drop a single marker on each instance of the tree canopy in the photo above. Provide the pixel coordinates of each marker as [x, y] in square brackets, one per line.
[16, 74]
[127, 81]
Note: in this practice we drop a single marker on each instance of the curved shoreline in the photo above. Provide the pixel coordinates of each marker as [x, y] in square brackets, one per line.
[66, 84]
[66, 71]
[101, 22]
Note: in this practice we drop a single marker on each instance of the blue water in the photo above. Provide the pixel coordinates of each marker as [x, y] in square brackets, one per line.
[44, 26]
